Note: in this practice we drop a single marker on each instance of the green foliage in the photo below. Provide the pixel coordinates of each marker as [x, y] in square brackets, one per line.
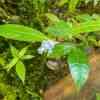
[17, 57]
[61, 49]
[21, 33]
[60, 29]
[17, 61]
[72, 5]
[77, 59]
[76, 27]
[8, 91]
[20, 70]
[68, 30]
[78, 64]
[14, 51]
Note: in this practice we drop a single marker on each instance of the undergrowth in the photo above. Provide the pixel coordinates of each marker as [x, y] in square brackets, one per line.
[36, 36]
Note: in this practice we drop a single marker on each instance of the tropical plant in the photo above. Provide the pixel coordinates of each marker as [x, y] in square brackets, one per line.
[34, 32]
[68, 31]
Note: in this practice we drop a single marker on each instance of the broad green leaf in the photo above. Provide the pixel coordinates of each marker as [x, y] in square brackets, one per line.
[21, 33]
[61, 49]
[12, 63]
[79, 68]
[89, 26]
[84, 17]
[72, 5]
[20, 70]
[68, 30]
[60, 29]
[14, 51]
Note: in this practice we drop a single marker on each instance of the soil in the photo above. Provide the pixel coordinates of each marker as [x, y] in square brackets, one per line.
[65, 88]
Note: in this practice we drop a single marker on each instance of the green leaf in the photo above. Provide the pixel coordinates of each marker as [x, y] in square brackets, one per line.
[78, 64]
[60, 29]
[61, 50]
[20, 70]
[21, 33]
[84, 17]
[12, 63]
[14, 51]
[23, 51]
[17, 55]
[68, 30]
[26, 57]
[89, 26]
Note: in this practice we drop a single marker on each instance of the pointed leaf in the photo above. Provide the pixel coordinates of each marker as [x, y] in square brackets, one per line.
[20, 70]
[12, 63]
[21, 33]
[17, 56]
[26, 57]
[14, 51]
[78, 64]
[23, 51]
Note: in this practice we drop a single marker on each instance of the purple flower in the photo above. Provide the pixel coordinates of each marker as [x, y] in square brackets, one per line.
[47, 46]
